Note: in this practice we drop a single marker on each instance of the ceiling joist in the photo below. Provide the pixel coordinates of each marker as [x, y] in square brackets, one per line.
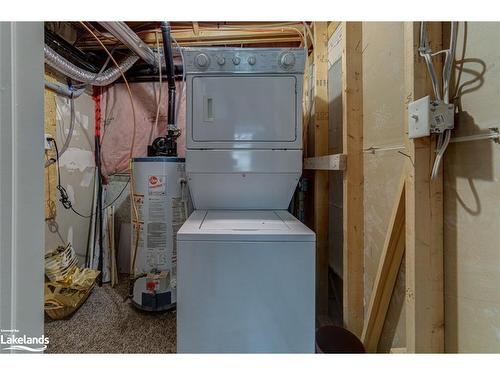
[207, 34]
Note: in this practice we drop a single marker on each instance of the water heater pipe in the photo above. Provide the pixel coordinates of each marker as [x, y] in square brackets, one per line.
[169, 63]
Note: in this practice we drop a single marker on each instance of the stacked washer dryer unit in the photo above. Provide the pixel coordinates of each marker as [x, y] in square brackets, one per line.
[245, 264]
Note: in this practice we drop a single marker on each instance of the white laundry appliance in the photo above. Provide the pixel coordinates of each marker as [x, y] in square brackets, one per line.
[246, 266]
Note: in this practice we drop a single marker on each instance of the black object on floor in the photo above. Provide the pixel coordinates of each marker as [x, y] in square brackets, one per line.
[332, 339]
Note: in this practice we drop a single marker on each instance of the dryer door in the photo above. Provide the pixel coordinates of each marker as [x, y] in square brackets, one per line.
[242, 109]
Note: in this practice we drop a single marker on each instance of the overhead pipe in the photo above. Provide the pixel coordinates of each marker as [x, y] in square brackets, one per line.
[64, 90]
[128, 37]
[69, 69]
[145, 71]
[167, 145]
[169, 63]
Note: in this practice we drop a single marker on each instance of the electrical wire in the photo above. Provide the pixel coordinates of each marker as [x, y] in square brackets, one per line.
[132, 192]
[307, 30]
[126, 84]
[107, 206]
[439, 154]
[450, 58]
[426, 52]
[65, 201]
[70, 131]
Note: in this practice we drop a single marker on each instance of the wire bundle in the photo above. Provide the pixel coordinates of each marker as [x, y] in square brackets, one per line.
[426, 52]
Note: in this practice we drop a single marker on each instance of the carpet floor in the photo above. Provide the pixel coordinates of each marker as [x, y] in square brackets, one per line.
[106, 324]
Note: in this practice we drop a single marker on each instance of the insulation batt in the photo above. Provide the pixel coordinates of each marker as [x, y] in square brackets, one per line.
[118, 124]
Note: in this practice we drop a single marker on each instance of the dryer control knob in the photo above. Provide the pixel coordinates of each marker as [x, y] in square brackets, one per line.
[202, 60]
[287, 60]
[221, 60]
[251, 60]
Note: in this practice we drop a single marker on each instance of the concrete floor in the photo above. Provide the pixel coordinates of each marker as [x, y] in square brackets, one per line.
[106, 324]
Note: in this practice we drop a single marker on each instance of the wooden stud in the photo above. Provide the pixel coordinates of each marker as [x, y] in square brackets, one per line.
[334, 162]
[352, 123]
[387, 273]
[424, 211]
[320, 121]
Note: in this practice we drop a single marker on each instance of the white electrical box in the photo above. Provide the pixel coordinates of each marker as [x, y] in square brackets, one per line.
[426, 117]
[418, 118]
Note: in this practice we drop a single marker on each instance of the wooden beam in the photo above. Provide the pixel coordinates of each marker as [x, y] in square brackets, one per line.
[320, 121]
[189, 37]
[227, 35]
[196, 28]
[237, 42]
[424, 211]
[327, 163]
[352, 130]
[387, 272]
[332, 27]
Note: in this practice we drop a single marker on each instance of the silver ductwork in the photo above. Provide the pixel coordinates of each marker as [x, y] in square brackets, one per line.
[127, 36]
[69, 69]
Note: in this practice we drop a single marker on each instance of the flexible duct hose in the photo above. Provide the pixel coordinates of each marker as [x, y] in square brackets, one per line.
[127, 36]
[67, 68]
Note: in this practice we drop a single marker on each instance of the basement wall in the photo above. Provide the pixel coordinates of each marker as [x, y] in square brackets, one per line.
[472, 199]
[77, 164]
[77, 171]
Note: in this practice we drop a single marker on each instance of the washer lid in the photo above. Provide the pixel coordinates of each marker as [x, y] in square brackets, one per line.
[251, 225]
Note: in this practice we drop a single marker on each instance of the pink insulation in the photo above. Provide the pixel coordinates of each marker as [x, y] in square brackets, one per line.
[116, 112]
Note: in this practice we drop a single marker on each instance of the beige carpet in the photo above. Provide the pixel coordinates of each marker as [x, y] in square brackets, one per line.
[106, 324]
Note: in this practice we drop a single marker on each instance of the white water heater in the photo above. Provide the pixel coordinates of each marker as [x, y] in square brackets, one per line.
[161, 200]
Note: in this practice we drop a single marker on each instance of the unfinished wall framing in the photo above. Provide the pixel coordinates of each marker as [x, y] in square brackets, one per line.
[351, 119]
[412, 228]
[378, 153]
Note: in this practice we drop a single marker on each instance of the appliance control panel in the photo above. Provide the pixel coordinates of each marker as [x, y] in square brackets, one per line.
[244, 60]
